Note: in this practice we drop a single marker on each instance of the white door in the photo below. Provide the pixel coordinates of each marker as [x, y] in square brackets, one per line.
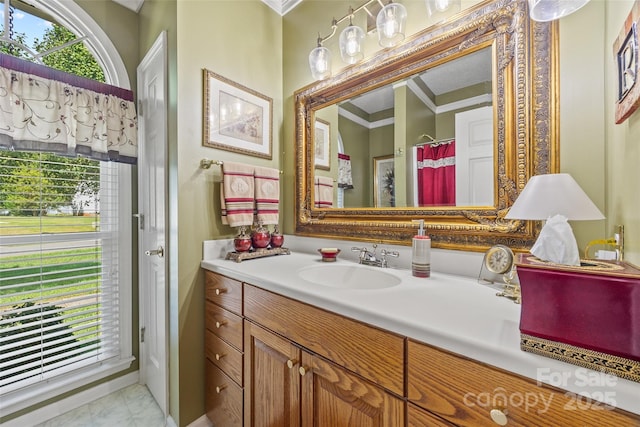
[474, 157]
[152, 150]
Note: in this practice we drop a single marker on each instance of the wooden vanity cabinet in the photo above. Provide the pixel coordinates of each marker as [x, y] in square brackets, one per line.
[468, 393]
[288, 383]
[224, 350]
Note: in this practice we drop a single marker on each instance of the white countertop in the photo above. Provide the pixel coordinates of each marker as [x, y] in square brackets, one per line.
[452, 312]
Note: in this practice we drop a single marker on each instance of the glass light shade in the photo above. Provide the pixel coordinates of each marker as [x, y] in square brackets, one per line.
[351, 44]
[390, 24]
[548, 10]
[320, 63]
[439, 10]
[548, 195]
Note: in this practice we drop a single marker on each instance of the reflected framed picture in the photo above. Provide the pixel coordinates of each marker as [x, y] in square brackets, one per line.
[236, 118]
[383, 182]
[322, 144]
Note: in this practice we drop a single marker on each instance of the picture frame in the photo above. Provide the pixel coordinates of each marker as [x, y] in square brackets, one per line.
[322, 144]
[625, 49]
[236, 118]
[383, 181]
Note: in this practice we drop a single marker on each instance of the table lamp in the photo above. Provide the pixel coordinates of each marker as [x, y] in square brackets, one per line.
[554, 198]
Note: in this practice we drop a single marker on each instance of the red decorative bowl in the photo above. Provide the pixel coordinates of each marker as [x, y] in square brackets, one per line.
[329, 254]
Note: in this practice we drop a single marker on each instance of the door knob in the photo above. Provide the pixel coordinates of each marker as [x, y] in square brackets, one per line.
[159, 252]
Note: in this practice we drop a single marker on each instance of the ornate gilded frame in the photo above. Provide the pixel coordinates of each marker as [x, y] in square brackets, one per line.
[525, 128]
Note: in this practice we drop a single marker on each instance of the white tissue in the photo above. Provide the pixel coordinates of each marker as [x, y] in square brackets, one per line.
[556, 242]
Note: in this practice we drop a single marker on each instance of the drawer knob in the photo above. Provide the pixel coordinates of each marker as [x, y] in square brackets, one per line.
[499, 417]
[220, 291]
[220, 388]
[220, 323]
[219, 356]
[303, 370]
[291, 363]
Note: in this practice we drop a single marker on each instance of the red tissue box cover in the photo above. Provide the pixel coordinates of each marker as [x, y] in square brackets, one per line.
[593, 307]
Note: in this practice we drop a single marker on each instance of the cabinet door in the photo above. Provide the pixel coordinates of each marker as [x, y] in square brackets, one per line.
[331, 396]
[272, 381]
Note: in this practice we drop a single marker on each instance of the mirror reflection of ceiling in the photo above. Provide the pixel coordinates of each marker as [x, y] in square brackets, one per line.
[469, 70]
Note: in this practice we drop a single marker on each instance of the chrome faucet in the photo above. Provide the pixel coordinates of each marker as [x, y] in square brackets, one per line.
[370, 258]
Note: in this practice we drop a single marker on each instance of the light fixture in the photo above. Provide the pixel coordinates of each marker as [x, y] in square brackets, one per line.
[548, 10]
[320, 61]
[555, 198]
[390, 23]
[438, 10]
[351, 43]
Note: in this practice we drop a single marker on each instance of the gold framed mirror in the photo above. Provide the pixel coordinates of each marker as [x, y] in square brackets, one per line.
[520, 98]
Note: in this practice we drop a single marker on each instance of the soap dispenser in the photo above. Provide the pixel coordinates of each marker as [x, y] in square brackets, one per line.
[420, 252]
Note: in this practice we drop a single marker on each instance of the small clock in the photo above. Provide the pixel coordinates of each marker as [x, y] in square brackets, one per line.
[499, 259]
[497, 264]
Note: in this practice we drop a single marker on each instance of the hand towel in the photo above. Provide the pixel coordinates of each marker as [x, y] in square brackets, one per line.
[345, 180]
[267, 188]
[237, 194]
[323, 192]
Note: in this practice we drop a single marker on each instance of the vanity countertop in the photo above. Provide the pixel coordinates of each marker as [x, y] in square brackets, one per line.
[452, 312]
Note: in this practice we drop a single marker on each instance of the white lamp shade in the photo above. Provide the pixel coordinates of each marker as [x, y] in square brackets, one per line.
[553, 194]
[390, 24]
[548, 10]
[351, 39]
[320, 63]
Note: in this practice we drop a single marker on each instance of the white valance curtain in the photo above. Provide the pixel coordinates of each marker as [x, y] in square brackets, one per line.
[42, 109]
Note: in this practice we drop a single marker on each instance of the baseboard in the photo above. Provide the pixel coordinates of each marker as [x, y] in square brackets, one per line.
[203, 421]
[67, 404]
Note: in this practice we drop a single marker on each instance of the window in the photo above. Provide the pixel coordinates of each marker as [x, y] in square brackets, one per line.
[65, 266]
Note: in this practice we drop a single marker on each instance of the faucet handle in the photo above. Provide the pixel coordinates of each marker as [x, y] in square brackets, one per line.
[394, 254]
[357, 249]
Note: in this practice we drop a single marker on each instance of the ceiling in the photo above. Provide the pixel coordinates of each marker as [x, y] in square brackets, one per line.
[280, 6]
[460, 73]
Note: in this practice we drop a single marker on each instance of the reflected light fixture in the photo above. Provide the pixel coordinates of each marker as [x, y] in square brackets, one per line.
[390, 23]
[555, 198]
[548, 10]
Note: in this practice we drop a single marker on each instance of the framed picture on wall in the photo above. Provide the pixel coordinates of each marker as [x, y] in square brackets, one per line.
[625, 49]
[322, 144]
[383, 182]
[236, 118]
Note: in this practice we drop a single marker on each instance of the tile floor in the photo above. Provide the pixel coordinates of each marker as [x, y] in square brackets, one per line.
[132, 406]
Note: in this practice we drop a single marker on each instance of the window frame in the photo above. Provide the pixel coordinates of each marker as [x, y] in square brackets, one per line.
[74, 18]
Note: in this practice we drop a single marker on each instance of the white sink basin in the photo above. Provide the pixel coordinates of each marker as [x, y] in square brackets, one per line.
[348, 276]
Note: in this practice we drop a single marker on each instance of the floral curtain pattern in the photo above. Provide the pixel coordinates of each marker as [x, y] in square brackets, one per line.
[40, 113]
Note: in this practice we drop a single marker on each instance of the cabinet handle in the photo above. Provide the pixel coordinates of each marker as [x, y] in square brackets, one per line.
[219, 356]
[220, 388]
[303, 370]
[220, 291]
[291, 363]
[499, 416]
[220, 323]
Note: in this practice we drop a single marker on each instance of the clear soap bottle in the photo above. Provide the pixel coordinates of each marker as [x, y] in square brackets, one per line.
[420, 252]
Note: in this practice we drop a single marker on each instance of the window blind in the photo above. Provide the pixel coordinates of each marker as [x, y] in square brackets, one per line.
[59, 295]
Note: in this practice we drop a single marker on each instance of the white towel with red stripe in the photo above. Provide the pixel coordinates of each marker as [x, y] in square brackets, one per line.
[323, 192]
[267, 193]
[237, 194]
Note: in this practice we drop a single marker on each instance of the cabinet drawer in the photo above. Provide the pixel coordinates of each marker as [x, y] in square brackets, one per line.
[418, 417]
[223, 398]
[374, 354]
[223, 291]
[223, 356]
[465, 392]
[224, 324]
